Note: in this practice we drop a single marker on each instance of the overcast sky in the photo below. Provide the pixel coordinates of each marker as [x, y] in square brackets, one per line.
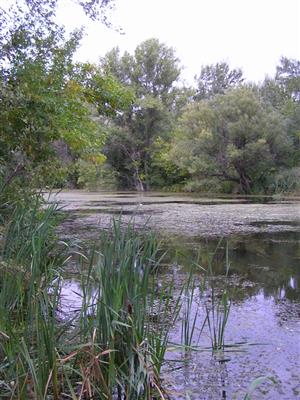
[251, 34]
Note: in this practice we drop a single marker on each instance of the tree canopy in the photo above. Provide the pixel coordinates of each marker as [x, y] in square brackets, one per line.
[44, 95]
[151, 74]
[233, 138]
[132, 119]
[216, 79]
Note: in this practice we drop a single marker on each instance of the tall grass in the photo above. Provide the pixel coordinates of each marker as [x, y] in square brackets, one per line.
[205, 305]
[217, 317]
[117, 298]
[115, 346]
[217, 312]
[27, 310]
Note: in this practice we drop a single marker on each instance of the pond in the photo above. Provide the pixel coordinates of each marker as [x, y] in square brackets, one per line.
[254, 245]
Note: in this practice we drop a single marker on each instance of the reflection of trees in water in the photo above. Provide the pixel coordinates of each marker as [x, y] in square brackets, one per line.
[270, 261]
[287, 310]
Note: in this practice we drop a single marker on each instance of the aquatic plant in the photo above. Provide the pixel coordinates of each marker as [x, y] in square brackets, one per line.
[115, 346]
[27, 306]
[217, 316]
[217, 312]
[255, 383]
[191, 311]
[204, 304]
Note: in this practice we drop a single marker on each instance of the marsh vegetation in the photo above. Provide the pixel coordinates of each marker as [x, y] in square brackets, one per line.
[126, 313]
[114, 344]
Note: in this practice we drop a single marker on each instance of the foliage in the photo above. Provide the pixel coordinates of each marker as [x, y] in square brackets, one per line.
[45, 97]
[34, 66]
[216, 79]
[165, 173]
[120, 284]
[94, 177]
[283, 93]
[207, 185]
[286, 180]
[126, 112]
[151, 74]
[288, 77]
[239, 125]
[233, 138]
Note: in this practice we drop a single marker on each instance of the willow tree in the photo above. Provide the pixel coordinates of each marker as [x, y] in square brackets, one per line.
[232, 138]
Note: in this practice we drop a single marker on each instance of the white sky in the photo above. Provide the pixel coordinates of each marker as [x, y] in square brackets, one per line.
[250, 34]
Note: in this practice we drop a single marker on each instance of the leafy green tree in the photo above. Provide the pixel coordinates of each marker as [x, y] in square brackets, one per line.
[44, 96]
[283, 93]
[232, 138]
[151, 73]
[272, 93]
[166, 174]
[288, 77]
[285, 86]
[216, 79]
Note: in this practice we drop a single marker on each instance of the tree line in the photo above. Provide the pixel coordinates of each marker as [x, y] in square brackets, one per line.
[129, 122]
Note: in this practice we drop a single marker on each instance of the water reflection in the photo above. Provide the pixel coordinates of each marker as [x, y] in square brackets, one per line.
[263, 280]
[263, 261]
[293, 283]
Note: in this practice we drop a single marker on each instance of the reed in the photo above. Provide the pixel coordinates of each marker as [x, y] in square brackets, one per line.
[115, 346]
[112, 349]
[217, 317]
[119, 295]
[27, 306]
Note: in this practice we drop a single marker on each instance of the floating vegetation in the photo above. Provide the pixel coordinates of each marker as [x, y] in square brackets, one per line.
[119, 341]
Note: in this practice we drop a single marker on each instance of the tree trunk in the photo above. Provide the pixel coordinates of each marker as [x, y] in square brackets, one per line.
[138, 184]
[245, 183]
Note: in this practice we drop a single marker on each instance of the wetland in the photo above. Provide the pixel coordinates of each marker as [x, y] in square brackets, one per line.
[253, 246]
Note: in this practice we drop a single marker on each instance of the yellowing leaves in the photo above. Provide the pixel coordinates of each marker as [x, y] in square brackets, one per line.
[97, 159]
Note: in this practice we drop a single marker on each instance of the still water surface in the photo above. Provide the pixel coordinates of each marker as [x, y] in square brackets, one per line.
[260, 240]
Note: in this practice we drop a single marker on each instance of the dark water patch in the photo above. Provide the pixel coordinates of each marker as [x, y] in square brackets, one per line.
[106, 202]
[119, 213]
[162, 194]
[240, 198]
[111, 202]
[112, 211]
[146, 202]
[275, 223]
[124, 196]
[126, 193]
[269, 260]
[79, 212]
